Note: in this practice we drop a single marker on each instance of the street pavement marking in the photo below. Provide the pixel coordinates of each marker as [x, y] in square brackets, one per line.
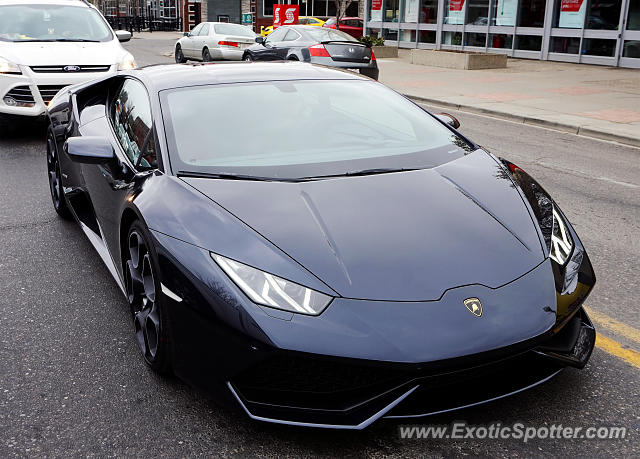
[615, 348]
[612, 346]
[616, 326]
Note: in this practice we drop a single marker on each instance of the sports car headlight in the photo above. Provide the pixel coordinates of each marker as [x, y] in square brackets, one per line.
[127, 62]
[561, 241]
[9, 67]
[273, 291]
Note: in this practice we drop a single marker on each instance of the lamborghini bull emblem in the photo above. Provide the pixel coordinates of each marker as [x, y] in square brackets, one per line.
[474, 306]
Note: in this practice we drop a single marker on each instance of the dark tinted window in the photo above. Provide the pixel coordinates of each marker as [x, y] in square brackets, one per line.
[132, 123]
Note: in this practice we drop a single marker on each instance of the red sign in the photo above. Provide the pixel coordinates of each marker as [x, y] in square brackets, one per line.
[456, 5]
[571, 5]
[285, 15]
[376, 5]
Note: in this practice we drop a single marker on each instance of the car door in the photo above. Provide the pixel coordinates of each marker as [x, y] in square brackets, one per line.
[273, 45]
[201, 40]
[189, 46]
[134, 140]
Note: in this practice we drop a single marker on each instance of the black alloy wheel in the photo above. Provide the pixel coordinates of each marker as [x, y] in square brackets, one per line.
[145, 299]
[55, 178]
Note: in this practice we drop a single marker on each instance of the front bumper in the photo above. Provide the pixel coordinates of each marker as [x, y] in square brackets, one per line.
[341, 394]
[37, 89]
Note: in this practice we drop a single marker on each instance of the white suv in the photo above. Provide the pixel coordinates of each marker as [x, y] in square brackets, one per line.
[46, 45]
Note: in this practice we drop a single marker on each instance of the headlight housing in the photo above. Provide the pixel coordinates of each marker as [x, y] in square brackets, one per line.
[561, 241]
[272, 291]
[8, 67]
[127, 63]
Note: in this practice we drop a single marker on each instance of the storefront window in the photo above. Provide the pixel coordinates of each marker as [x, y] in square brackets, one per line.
[408, 35]
[320, 7]
[631, 49]
[633, 20]
[501, 41]
[598, 47]
[567, 45]
[454, 12]
[569, 14]
[531, 13]
[504, 13]
[390, 34]
[411, 11]
[478, 12]
[529, 42]
[267, 7]
[391, 14]
[427, 36]
[429, 11]
[452, 38]
[603, 15]
[475, 39]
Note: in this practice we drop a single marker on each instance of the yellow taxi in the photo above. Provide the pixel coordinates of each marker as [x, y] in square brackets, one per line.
[302, 20]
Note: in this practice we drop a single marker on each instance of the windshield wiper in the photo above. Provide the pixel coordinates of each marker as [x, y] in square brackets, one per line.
[231, 176]
[386, 170]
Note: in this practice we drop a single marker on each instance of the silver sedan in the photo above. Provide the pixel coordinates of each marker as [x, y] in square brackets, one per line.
[210, 41]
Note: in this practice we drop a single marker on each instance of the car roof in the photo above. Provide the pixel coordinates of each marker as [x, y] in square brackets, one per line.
[80, 3]
[167, 76]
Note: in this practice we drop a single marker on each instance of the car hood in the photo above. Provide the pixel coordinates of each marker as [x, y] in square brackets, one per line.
[61, 53]
[406, 236]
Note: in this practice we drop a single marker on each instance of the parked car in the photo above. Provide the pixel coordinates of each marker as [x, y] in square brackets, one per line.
[302, 20]
[346, 257]
[212, 41]
[316, 45]
[46, 45]
[352, 26]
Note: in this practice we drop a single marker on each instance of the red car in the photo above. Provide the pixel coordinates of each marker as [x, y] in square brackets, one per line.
[352, 26]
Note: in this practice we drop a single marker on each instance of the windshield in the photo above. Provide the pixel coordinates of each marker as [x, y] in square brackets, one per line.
[323, 34]
[301, 129]
[234, 29]
[24, 23]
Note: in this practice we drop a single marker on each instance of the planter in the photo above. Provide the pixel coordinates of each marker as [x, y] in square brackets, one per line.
[383, 52]
[458, 59]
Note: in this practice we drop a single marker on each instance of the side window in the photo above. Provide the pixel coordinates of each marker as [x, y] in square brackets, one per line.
[276, 35]
[132, 123]
[196, 30]
[292, 35]
[205, 30]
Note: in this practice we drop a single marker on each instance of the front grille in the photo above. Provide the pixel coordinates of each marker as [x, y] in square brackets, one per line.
[48, 91]
[22, 95]
[70, 68]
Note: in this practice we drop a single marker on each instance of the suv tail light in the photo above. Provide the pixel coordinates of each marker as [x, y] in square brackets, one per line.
[228, 43]
[319, 50]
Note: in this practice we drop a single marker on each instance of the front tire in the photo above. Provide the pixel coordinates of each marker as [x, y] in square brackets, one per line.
[179, 55]
[146, 299]
[55, 178]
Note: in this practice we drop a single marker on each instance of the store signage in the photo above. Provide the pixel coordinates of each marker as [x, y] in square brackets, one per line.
[506, 12]
[376, 11]
[572, 14]
[412, 10]
[456, 12]
[285, 15]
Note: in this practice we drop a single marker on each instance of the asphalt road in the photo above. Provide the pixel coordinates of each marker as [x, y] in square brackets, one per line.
[72, 382]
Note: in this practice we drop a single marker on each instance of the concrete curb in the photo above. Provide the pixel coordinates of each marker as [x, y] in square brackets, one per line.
[570, 128]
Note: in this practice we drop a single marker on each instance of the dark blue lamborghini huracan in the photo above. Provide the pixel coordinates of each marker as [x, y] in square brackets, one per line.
[349, 256]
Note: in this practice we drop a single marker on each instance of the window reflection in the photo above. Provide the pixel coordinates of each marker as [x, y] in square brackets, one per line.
[500, 41]
[633, 19]
[531, 13]
[631, 48]
[603, 14]
[598, 47]
[528, 42]
[567, 45]
[478, 12]
[504, 12]
[429, 11]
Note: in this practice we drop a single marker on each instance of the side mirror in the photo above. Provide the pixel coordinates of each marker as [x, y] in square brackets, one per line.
[89, 150]
[260, 40]
[449, 119]
[187, 34]
[123, 35]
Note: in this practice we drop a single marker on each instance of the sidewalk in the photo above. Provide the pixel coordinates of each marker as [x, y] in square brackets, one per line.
[589, 100]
